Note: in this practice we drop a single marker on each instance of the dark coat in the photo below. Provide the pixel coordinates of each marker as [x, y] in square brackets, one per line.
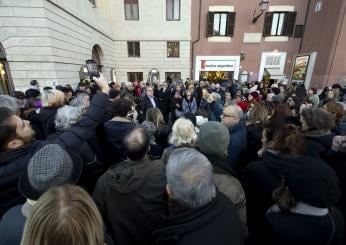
[164, 98]
[259, 180]
[254, 144]
[237, 144]
[130, 197]
[299, 229]
[146, 104]
[46, 118]
[13, 162]
[115, 133]
[12, 226]
[216, 223]
[318, 145]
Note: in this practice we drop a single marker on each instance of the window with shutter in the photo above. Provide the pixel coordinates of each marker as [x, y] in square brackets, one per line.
[291, 21]
[210, 24]
[268, 24]
[279, 24]
[298, 31]
[220, 24]
[231, 24]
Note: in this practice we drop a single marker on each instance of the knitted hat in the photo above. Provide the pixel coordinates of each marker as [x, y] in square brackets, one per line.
[50, 166]
[312, 181]
[213, 138]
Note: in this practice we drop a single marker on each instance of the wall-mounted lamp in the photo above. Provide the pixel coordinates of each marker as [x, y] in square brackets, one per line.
[263, 6]
[242, 55]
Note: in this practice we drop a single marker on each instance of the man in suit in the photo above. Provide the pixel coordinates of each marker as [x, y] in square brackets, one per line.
[149, 100]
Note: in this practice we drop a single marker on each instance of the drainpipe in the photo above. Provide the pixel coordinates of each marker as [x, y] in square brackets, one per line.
[306, 19]
[196, 41]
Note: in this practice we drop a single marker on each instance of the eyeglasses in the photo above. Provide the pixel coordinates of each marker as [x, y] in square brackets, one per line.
[225, 115]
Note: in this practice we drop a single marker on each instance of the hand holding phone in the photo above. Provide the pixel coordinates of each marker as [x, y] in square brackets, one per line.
[92, 69]
[102, 83]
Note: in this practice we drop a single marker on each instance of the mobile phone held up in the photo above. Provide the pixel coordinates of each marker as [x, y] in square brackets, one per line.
[92, 69]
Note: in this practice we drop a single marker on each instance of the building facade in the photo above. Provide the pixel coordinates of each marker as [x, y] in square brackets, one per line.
[325, 34]
[152, 39]
[49, 40]
[235, 39]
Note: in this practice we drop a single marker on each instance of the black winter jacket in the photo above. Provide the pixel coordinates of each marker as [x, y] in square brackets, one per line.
[13, 162]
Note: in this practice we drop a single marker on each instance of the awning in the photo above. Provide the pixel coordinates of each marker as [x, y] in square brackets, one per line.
[274, 73]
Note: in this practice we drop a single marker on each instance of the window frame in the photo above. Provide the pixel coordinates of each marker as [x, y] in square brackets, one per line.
[93, 2]
[173, 42]
[286, 23]
[133, 43]
[230, 16]
[167, 19]
[136, 77]
[131, 4]
[169, 73]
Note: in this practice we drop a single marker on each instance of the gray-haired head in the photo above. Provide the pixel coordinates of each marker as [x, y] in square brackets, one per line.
[183, 133]
[81, 101]
[189, 178]
[10, 103]
[67, 116]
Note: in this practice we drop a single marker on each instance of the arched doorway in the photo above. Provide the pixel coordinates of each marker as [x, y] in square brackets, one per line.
[97, 55]
[6, 86]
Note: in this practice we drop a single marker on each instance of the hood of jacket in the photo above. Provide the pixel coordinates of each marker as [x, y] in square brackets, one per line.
[220, 164]
[46, 113]
[323, 138]
[183, 220]
[129, 176]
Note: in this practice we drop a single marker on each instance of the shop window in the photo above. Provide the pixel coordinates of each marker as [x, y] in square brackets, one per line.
[220, 24]
[279, 24]
[172, 10]
[173, 49]
[133, 49]
[133, 76]
[131, 10]
[298, 31]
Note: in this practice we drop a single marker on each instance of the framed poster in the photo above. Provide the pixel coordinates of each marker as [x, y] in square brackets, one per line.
[300, 68]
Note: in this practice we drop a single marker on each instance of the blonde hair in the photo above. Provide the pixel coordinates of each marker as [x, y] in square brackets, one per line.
[64, 215]
[155, 116]
[259, 114]
[52, 98]
[183, 133]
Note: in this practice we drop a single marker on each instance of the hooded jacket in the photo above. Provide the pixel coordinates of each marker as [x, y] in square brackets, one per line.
[216, 223]
[318, 143]
[130, 197]
[13, 162]
[259, 181]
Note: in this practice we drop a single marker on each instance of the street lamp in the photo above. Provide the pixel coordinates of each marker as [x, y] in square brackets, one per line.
[263, 6]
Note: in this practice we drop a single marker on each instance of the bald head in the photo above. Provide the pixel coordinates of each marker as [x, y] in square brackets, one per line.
[231, 115]
[136, 144]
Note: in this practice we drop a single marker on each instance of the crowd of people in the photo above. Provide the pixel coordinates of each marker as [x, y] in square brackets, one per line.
[194, 162]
